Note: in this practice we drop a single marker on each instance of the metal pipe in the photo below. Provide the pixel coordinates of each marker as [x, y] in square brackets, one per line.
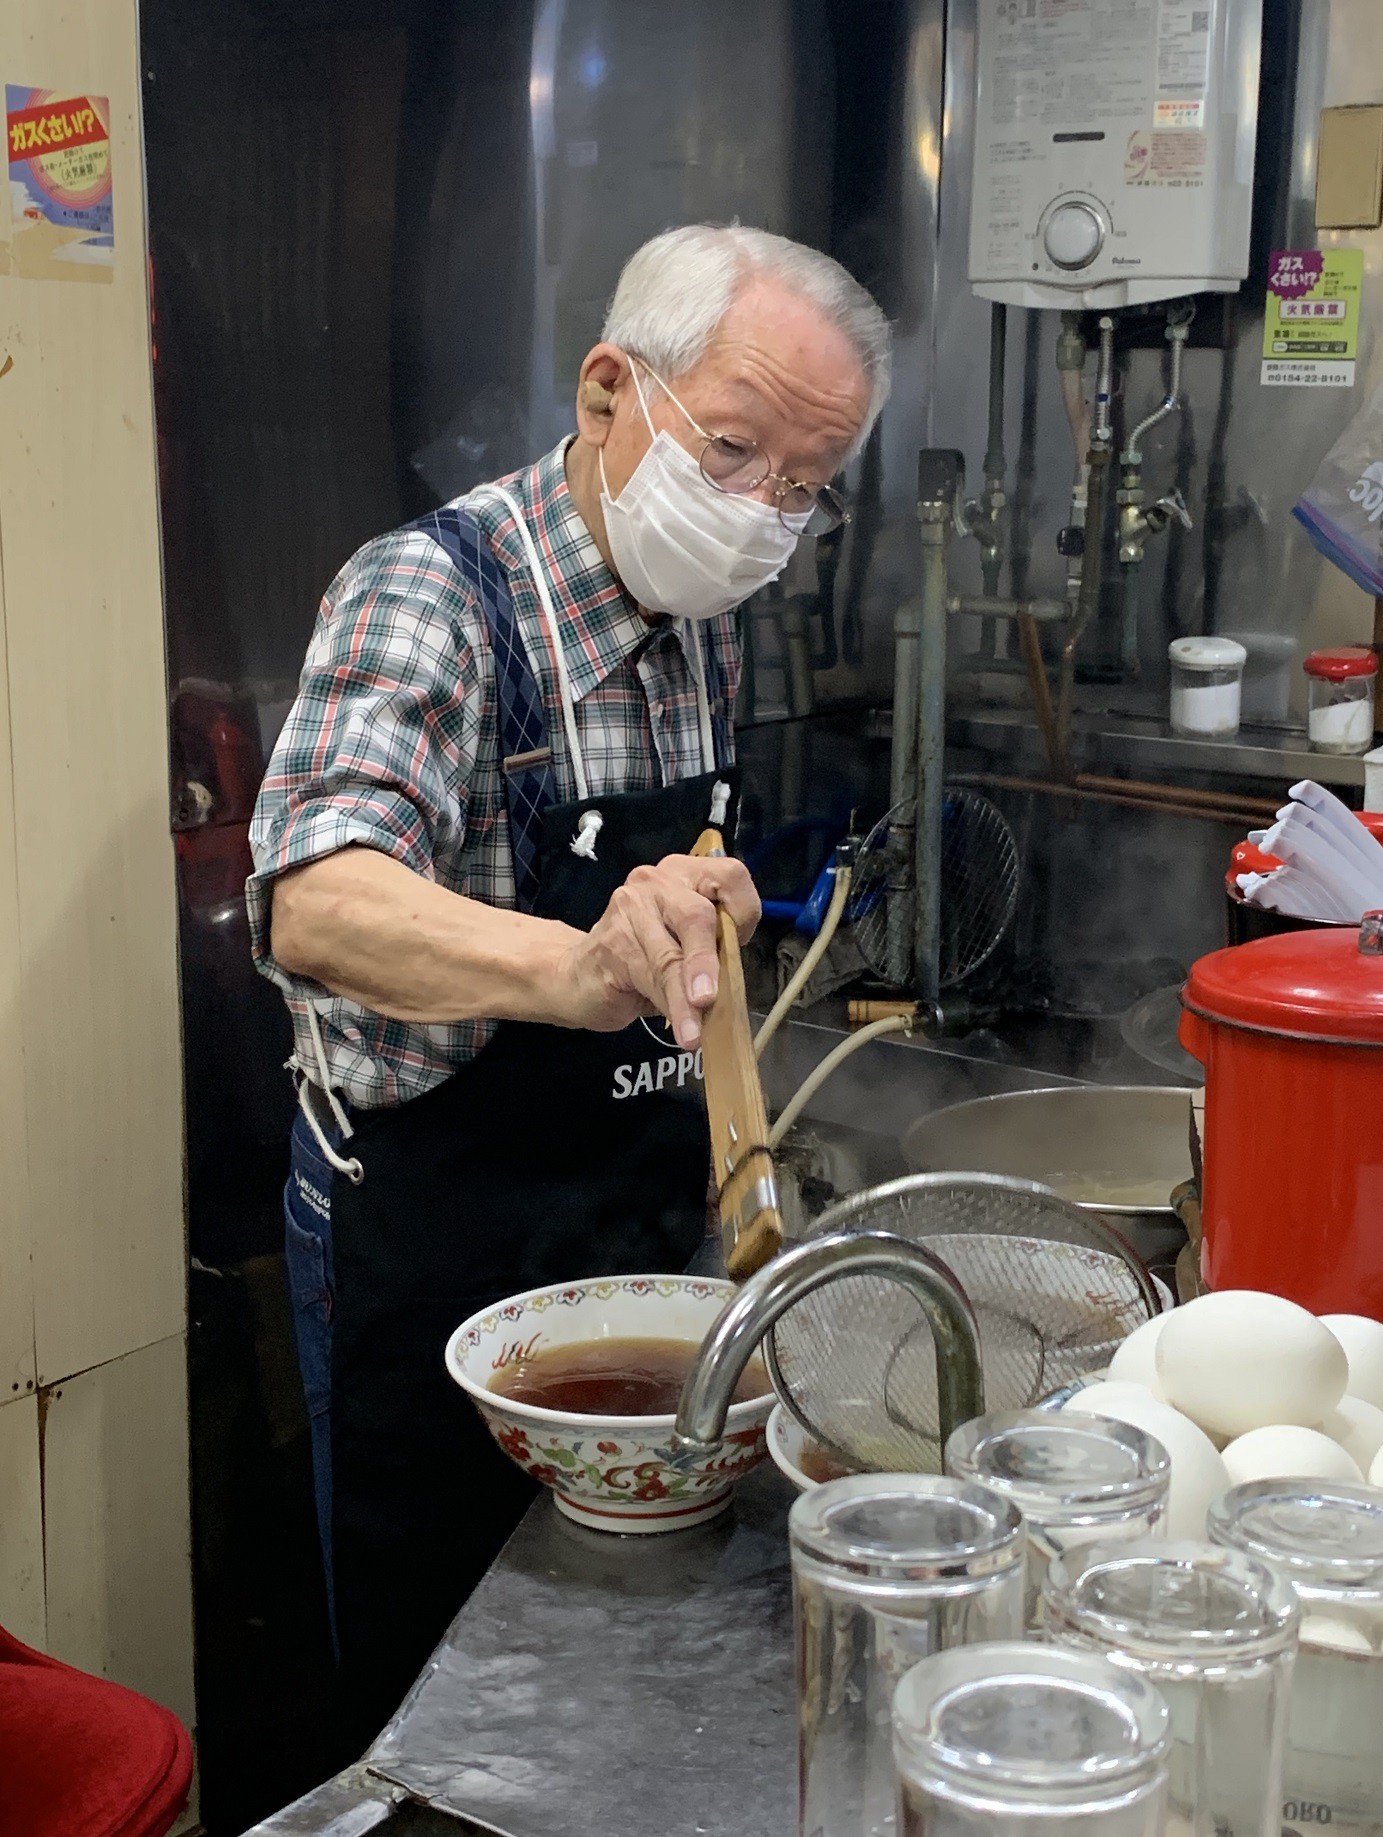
[1070, 364]
[995, 462]
[935, 520]
[1041, 688]
[1092, 558]
[907, 624]
[981, 606]
[1132, 454]
[797, 647]
[1131, 579]
[1104, 386]
[790, 1278]
[1264, 808]
[988, 526]
[801, 688]
[1004, 781]
[902, 797]
[1088, 600]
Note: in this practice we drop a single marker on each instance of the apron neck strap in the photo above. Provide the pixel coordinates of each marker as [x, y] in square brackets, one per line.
[696, 656]
[554, 634]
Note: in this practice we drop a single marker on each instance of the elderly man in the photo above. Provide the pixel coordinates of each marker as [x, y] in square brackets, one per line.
[473, 885]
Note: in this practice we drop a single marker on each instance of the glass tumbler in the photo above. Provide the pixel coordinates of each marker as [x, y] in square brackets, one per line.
[1028, 1741]
[1216, 1633]
[1326, 1539]
[886, 1569]
[1074, 1478]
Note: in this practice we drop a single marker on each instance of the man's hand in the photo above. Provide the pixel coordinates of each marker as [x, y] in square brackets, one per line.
[653, 949]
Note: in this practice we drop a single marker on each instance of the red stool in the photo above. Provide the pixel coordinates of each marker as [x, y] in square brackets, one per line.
[82, 1757]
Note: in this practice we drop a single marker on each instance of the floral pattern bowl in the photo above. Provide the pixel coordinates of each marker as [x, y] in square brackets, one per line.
[610, 1472]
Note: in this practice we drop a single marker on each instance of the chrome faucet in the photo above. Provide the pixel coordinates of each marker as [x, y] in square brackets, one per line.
[766, 1297]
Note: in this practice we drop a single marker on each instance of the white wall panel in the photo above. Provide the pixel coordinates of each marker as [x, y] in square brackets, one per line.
[96, 1015]
[16, 1279]
[21, 1523]
[117, 1538]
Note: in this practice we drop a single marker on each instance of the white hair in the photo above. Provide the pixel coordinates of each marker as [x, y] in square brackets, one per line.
[675, 290]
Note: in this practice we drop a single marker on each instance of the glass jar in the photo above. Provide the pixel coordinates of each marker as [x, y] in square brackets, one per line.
[1074, 1478]
[1339, 699]
[886, 1569]
[1028, 1741]
[1207, 682]
[1326, 1539]
[1216, 1633]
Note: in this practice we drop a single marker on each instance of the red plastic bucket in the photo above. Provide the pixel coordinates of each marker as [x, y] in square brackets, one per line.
[1290, 1032]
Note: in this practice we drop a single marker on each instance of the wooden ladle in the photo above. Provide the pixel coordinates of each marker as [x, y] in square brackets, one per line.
[751, 1222]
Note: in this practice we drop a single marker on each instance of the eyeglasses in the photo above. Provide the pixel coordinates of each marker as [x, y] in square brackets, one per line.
[738, 467]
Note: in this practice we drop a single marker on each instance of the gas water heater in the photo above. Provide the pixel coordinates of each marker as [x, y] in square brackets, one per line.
[1114, 144]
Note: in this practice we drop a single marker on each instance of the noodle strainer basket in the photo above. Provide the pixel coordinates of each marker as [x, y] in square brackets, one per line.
[1054, 1290]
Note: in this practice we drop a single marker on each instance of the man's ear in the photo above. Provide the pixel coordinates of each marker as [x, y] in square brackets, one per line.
[597, 391]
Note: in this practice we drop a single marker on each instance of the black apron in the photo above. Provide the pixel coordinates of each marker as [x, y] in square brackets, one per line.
[554, 1154]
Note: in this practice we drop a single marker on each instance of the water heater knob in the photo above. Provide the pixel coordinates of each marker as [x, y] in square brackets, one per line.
[1073, 236]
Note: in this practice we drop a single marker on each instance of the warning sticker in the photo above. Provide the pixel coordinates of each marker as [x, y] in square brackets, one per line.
[1183, 47]
[1175, 161]
[1311, 318]
[60, 185]
[1058, 63]
[1179, 112]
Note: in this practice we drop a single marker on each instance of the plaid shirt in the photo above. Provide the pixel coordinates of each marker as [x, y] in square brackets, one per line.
[393, 742]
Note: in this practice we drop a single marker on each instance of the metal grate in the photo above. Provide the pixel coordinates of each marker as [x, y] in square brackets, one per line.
[980, 874]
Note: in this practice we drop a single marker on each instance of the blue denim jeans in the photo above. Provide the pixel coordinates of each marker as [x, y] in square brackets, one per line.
[307, 1250]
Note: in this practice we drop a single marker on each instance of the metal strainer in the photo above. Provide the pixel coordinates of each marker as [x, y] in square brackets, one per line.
[980, 873]
[1054, 1290]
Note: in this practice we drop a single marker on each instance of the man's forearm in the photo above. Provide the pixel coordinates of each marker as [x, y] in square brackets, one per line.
[369, 928]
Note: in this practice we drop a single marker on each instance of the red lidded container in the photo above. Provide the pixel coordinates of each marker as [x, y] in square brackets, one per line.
[1339, 665]
[1290, 1032]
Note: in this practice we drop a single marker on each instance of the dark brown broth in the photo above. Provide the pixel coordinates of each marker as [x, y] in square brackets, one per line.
[818, 1465]
[613, 1377]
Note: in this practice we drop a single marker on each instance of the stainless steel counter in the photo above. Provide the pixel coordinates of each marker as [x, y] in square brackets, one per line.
[596, 1686]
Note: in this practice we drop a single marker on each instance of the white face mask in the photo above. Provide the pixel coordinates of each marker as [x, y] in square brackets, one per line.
[681, 546]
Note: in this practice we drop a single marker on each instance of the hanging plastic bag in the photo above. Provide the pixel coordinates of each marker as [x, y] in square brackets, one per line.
[1343, 509]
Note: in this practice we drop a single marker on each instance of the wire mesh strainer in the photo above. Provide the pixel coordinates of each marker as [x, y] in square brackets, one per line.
[1054, 1290]
[979, 889]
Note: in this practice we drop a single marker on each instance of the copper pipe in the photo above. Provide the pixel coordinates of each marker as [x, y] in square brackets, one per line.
[1263, 807]
[1041, 687]
[1001, 781]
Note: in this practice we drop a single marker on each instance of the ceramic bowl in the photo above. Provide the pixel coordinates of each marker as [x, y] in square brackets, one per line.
[787, 1442]
[611, 1472]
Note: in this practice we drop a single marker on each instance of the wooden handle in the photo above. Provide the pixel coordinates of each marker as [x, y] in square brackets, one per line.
[743, 1166]
[863, 1013]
